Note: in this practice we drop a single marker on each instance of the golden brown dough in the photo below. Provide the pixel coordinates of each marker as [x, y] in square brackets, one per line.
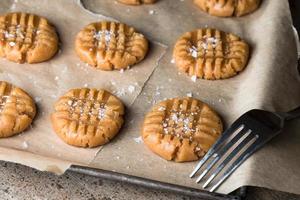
[17, 110]
[110, 45]
[181, 129]
[26, 37]
[137, 2]
[227, 8]
[210, 54]
[87, 117]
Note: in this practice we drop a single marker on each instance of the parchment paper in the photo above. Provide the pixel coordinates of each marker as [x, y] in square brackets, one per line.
[270, 81]
[47, 81]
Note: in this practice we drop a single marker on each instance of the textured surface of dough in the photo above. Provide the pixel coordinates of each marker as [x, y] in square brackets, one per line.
[110, 45]
[227, 8]
[87, 117]
[210, 54]
[181, 129]
[137, 2]
[27, 37]
[17, 110]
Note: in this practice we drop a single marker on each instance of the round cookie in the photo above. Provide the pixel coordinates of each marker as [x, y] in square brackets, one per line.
[17, 110]
[181, 129]
[227, 8]
[27, 38]
[110, 45]
[87, 117]
[210, 54]
[137, 2]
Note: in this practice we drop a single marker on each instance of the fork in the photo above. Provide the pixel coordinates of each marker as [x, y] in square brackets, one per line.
[254, 128]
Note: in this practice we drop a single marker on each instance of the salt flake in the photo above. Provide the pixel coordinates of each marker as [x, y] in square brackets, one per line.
[194, 78]
[189, 94]
[12, 44]
[25, 145]
[138, 139]
[131, 88]
[151, 12]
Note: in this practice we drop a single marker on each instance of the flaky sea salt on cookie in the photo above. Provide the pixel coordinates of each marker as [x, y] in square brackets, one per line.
[17, 110]
[181, 129]
[110, 45]
[87, 117]
[137, 2]
[26, 37]
[210, 54]
[227, 8]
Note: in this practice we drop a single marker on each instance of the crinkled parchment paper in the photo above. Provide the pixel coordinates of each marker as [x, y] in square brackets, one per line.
[270, 81]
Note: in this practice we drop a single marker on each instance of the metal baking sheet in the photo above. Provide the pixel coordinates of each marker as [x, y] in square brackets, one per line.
[155, 185]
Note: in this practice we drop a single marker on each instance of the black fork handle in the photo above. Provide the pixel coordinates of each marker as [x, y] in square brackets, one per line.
[293, 114]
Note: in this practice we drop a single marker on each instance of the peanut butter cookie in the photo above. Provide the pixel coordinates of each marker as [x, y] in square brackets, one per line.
[210, 54]
[137, 2]
[87, 117]
[181, 129]
[110, 45]
[227, 8]
[27, 37]
[17, 110]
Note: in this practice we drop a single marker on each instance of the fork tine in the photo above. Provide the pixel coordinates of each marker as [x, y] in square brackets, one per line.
[247, 153]
[229, 158]
[234, 127]
[222, 152]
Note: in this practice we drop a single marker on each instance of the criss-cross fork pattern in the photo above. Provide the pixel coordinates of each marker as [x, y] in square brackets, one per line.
[17, 109]
[181, 121]
[26, 38]
[226, 6]
[88, 112]
[210, 54]
[110, 45]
